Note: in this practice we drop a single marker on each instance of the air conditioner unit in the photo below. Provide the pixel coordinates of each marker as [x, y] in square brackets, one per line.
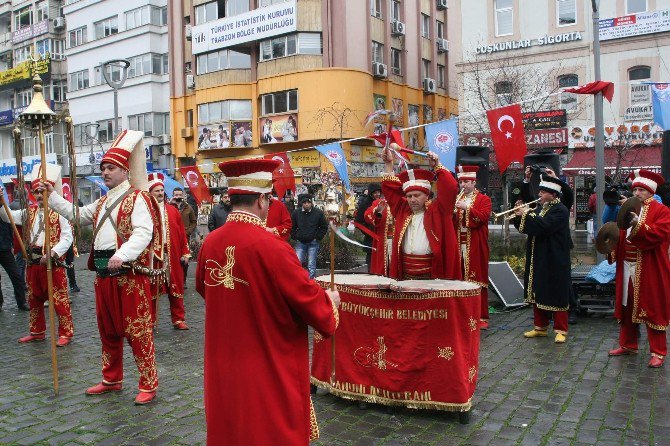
[59, 23]
[187, 132]
[442, 45]
[441, 5]
[379, 70]
[187, 31]
[190, 81]
[165, 150]
[429, 85]
[397, 28]
[164, 139]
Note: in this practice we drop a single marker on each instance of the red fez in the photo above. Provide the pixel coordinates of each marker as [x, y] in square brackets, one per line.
[416, 179]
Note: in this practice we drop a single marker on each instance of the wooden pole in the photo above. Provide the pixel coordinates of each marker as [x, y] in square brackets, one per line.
[47, 251]
[332, 288]
[17, 234]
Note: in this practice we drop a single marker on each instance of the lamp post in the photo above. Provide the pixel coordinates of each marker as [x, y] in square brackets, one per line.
[39, 118]
[599, 124]
[116, 84]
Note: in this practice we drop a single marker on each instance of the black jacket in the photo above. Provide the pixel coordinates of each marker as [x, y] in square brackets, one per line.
[308, 226]
[6, 237]
[217, 216]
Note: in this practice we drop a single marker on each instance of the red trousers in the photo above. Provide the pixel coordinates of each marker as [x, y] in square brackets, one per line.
[36, 279]
[541, 318]
[123, 309]
[630, 332]
[177, 313]
[485, 305]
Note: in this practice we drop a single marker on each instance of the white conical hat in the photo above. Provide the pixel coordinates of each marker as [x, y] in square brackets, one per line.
[53, 176]
[127, 152]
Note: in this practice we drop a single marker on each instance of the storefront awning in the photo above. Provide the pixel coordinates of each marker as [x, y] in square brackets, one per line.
[583, 162]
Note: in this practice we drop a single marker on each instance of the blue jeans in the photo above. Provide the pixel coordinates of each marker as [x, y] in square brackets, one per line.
[311, 249]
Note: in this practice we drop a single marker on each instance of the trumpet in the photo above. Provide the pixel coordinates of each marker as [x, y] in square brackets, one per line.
[506, 213]
[458, 198]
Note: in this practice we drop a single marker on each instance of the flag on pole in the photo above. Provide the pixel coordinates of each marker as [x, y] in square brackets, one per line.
[509, 140]
[196, 184]
[283, 176]
[607, 89]
[98, 182]
[660, 100]
[333, 152]
[442, 138]
[67, 190]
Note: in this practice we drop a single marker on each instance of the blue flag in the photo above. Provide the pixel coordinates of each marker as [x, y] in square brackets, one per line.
[333, 152]
[660, 100]
[98, 181]
[442, 138]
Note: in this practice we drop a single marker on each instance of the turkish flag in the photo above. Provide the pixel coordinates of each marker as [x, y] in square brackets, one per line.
[67, 190]
[283, 176]
[196, 184]
[509, 140]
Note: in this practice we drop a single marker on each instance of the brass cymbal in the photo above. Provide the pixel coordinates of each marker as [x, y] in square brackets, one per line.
[607, 238]
[623, 218]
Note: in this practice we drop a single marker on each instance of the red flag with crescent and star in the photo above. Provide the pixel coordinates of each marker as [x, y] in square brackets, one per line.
[509, 140]
[196, 184]
[283, 176]
[67, 190]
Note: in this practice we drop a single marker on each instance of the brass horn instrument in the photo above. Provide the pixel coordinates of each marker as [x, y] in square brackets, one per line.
[505, 215]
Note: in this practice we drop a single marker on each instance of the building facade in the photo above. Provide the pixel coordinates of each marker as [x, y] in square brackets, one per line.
[516, 50]
[30, 28]
[99, 31]
[253, 77]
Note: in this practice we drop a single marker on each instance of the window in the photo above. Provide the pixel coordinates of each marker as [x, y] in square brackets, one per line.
[280, 102]
[568, 100]
[209, 11]
[566, 12]
[635, 6]
[22, 54]
[22, 18]
[376, 8]
[269, 2]
[504, 15]
[395, 10]
[77, 37]
[146, 15]
[78, 80]
[43, 47]
[425, 26]
[377, 52]
[301, 43]
[114, 74]
[503, 93]
[396, 68]
[106, 130]
[234, 7]
[80, 135]
[425, 68]
[41, 11]
[24, 97]
[439, 29]
[58, 46]
[56, 91]
[222, 60]
[143, 123]
[224, 111]
[107, 27]
[441, 76]
[639, 94]
[149, 63]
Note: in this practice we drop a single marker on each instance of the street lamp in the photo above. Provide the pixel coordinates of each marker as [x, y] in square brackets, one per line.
[107, 70]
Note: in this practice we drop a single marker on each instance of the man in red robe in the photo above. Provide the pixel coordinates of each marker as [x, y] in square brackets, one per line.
[471, 220]
[424, 240]
[643, 273]
[279, 220]
[379, 217]
[176, 252]
[258, 304]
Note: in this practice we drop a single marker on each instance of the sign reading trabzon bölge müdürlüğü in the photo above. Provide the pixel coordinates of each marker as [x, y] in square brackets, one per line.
[261, 23]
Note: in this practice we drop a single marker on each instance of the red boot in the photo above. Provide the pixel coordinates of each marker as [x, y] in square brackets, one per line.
[145, 398]
[621, 351]
[655, 362]
[63, 341]
[32, 338]
[101, 388]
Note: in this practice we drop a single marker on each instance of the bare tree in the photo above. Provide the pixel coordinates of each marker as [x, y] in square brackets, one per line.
[336, 118]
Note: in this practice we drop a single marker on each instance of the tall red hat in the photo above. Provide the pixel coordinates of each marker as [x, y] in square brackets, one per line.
[251, 176]
[647, 179]
[155, 179]
[416, 179]
[467, 172]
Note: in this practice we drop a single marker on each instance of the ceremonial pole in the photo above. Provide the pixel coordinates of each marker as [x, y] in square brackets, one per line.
[39, 117]
[332, 288]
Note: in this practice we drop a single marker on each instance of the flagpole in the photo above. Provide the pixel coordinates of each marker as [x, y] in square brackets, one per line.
[599, 125]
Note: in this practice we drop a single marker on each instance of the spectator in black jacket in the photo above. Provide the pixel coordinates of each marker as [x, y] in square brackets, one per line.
[373, 193]
[9, 264]
[309, 227]
[219, 213]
